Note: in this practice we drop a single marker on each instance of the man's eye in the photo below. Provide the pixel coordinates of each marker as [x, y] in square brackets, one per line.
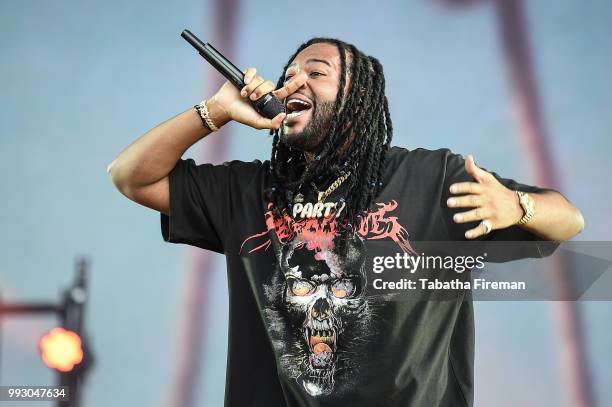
[288, 77]
[343, 288]
[315, 73]
[301, 287]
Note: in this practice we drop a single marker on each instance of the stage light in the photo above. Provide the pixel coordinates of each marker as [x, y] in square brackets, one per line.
[61, 349]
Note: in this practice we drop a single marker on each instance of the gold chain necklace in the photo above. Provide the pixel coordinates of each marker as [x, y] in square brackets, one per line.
[299, 198]
[323, 195]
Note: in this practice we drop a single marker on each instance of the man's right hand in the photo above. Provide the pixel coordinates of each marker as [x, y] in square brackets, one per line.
[140, 171]
[230, 103]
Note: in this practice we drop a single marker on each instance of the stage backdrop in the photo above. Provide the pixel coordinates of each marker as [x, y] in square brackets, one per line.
[82, 80]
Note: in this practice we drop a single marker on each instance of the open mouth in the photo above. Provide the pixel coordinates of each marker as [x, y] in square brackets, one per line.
[318, 379]
[322, 344]
[296, 107]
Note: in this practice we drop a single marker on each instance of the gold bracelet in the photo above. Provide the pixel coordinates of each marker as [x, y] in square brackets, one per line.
[202, 110]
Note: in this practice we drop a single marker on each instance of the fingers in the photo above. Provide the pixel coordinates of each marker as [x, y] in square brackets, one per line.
[479, 174]
[254, 83]
[291, 86]
[248, 75]
[256, 86]
[478, 231]
[475, 198]
[471, 216]
[278, 119]
[470, 166]
[262, 89]
[466, 188]
[263, 123]
[471, 201]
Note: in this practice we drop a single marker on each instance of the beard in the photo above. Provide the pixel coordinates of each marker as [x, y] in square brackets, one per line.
[310, 138]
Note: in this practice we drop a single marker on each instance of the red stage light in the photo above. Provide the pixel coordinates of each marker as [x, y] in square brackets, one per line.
[61, 349]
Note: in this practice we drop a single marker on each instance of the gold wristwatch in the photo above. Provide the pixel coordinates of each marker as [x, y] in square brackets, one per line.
[528, 205]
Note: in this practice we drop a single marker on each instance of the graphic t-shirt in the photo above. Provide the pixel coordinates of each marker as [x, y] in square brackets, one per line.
[306, 328]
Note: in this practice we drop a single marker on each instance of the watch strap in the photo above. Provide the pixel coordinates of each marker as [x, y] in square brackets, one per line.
[527, 204]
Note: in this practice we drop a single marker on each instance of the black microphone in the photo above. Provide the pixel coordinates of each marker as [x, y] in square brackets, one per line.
[268, 105]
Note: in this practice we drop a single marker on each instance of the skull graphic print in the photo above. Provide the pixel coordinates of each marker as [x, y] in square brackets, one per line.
[320, 319]
[323, 300]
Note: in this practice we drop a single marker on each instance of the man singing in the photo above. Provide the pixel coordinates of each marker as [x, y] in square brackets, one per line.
[306, 326]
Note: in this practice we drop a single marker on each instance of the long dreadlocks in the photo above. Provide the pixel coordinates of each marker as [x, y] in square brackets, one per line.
[365, 114]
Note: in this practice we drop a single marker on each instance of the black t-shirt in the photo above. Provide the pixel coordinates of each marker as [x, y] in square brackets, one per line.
[305, 328]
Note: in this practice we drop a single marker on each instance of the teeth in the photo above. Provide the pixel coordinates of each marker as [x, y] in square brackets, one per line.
[298, 101]
[295, 114]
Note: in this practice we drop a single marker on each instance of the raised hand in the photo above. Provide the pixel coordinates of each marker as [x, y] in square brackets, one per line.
[491, 201]
[234, 104]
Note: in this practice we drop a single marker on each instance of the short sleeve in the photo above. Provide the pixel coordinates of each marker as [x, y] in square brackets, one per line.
[455, 172]
[199, 200]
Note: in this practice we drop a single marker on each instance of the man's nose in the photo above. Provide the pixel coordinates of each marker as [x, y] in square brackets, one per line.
[303, 79]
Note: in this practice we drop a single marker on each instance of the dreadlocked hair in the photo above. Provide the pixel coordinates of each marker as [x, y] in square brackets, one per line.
[365, 113]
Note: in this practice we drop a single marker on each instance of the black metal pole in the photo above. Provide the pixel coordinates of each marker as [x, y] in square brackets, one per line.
[30, 308]
[75, 299]
[71, 312]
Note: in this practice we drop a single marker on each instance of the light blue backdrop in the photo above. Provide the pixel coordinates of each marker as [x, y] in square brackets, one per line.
[82, 80]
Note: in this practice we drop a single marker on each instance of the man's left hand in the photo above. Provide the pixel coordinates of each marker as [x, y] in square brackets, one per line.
[490, 200]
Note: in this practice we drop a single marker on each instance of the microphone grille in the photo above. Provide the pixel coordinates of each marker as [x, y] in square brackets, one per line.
[269, 106]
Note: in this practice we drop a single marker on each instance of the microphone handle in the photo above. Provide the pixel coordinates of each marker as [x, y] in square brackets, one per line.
[268, 105]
